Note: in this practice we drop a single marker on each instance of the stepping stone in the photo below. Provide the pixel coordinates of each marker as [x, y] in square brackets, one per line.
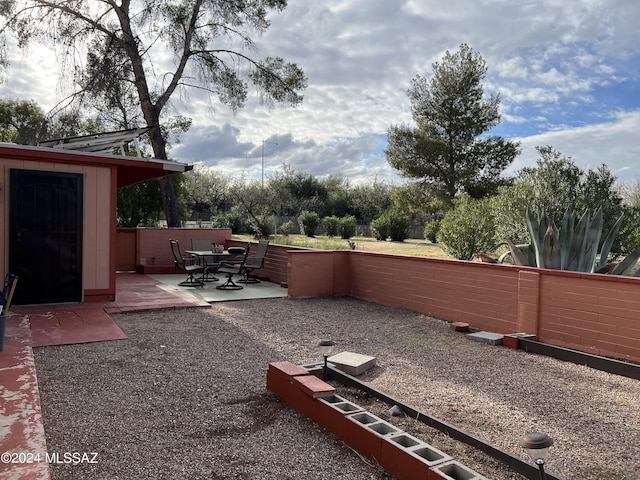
[486, 337]
[352, 363]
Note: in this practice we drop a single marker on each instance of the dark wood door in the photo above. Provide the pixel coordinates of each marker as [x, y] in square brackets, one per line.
[45, 238]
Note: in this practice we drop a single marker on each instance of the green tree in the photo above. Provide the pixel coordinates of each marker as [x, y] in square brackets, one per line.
[554, 182]
[446, 152]
[555, 185]
[337, 200]
[20, 121]
[206, 191]
[125, 38]
[254, 202]
[509, 208]
[369, 201]
[133, 213]
[295, 191]
[468, 229]
[71, 123]
[630, 230]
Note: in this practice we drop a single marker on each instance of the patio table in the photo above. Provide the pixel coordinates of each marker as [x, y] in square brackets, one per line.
[208, 260]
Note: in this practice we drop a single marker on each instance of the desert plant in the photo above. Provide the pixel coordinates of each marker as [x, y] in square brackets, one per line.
[431, 230]
[380, 228]
[308, 222]
[286, 228]
[331, 225]
[573, 246]
[393, 223]
[468, 229]
[228, 220]
[347, 227]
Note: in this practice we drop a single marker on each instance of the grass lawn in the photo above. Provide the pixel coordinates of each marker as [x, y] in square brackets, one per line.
[422, 248]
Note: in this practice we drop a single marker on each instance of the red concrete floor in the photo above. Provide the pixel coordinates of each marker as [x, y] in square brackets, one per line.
[22, 438]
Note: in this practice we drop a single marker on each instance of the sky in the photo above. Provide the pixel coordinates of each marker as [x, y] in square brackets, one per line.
[567, 72]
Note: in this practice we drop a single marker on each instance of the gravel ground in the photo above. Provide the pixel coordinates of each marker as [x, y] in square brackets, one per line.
[185, 396]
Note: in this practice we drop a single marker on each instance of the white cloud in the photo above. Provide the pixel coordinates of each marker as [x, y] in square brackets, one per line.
[555, 63]
[612, 143]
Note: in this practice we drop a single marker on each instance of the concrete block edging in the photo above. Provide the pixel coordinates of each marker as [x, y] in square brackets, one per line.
[401, 454]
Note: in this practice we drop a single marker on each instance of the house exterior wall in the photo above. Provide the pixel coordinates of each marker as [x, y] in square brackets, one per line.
[98, 263]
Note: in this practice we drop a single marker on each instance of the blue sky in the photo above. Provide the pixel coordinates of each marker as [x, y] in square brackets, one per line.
[568, 73]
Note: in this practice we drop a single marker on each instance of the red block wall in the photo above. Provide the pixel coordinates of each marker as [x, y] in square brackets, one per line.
[593, 313]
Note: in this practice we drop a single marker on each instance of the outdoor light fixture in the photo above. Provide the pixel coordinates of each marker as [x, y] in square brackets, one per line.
[537, 446]
[326, 345]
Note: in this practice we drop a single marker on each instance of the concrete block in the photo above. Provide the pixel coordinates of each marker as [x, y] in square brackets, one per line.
[331, 413]
[406, 457]
[352, 363]
[364, 432]
[455, 471]
[486, 337]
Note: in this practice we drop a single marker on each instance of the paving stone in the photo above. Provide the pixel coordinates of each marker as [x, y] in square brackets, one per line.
[486, 337]
[352, 363]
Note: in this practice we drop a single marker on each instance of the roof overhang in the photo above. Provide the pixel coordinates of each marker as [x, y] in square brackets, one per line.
[130, 170]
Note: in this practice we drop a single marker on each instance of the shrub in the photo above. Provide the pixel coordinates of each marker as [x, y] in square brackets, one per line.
[308, 222]
[331, 225]
[399, 223]
[347, 227]
[229, 220]
[286, 228]
[394, 223]
[431, 231]
[263, 226]
[380, 228]
[468, 229]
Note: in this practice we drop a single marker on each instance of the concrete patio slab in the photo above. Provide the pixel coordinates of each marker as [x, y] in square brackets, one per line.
[208, 292]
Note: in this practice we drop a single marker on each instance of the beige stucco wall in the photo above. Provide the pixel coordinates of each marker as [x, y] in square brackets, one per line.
[98, 218]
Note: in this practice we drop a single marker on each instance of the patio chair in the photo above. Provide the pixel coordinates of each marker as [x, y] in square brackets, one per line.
[231, 269]
[210, 267]
[255, 262]
[10, 281]
[190, 270]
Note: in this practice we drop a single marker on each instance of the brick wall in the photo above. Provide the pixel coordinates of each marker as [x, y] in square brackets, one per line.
[594, 313]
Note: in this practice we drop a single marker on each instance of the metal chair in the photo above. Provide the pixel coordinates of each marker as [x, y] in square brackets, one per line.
[190, 270]
[10, 282]
[210, 267]
[255, 262]
[231, 269]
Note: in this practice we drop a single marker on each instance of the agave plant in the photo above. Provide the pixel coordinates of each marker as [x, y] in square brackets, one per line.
[573, 246]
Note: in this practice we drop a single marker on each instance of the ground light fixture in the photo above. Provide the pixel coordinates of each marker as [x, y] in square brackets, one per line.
[537, 446]
[326, 345]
